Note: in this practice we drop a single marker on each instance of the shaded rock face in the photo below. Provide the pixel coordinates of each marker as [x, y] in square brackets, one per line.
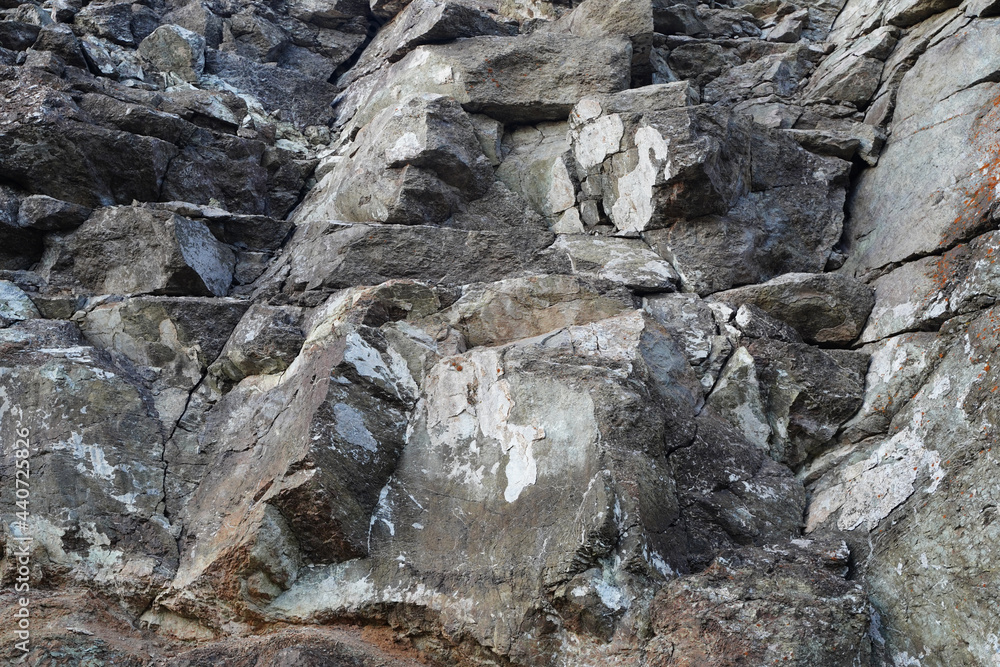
[499, 332]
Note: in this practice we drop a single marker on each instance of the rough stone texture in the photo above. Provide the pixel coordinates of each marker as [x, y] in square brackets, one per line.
[629, 262]
[940, 112]
[522, 79]
[48, 214]
[156, 253]
[415, 163]
[823, 308]
[96, 466]
[175, 50]
[500, 333]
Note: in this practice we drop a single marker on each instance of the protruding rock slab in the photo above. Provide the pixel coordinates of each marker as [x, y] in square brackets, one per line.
[522, 79]
[135, 250]
[823, 307]
[911, 204]
[416, 163]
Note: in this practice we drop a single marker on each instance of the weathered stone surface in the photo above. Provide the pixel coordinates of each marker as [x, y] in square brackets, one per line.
[49, 147]
[155, 252]
[929, 481]
[456, 398]
[694, 179]
[425, 22]
[509, 310]
[173, 339]
[96, 468]
[513, 79]
[175, 50]
[416, 163]
[333, 256]
[422, 522]
[823, 308]
[267, 340]
[628, 262]
[48, 214]
[745, 618]
[15, 306]
[314, 445]
[303, 99]
[809, 394]
[537, 165]
[909, 205]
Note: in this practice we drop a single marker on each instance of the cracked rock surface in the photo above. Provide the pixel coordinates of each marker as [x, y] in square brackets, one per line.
[532, 333]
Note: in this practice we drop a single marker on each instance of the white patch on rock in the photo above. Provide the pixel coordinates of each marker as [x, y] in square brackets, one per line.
[406, 148]
[596, 141]
[886, 479]
[634, 208]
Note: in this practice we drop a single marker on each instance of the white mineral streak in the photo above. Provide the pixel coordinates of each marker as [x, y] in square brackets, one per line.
[633, 210]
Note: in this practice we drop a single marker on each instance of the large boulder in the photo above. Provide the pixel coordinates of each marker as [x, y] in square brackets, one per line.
[589, 459]
[416, 163]
[910, 206]
[522, 79]
[824, 308]
[135, 250]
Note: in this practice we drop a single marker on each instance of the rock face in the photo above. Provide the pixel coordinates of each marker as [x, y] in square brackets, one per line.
[499, 333]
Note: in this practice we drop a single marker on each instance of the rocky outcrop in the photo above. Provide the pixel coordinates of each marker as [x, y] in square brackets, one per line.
[496, 332]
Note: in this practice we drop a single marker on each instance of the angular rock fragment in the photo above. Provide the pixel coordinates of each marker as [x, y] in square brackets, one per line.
[333, 256]
[133, 250]
[416, 163]
[314, 447]
[15, 306]
[823, 308]
[175, 50]
[628, 262]
[480, 468]
[909, 206]
[48, 214]
[266, 340]
[522, 79]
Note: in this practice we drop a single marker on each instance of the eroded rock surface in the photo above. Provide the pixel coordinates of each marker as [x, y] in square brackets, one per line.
[500, 332]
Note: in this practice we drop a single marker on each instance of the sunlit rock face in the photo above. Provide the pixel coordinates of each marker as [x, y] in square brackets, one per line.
[499, 332]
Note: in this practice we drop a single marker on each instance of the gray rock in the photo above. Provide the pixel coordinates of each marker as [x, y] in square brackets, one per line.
[491, 396]
[513, 79]
[96, 484]
[130, 250]
[314, 446]
[824, 308]
[17, 36]
[809, 394]
[701, 332]
[48, 214]
[628, 262]
[908, 491]
[416, 163]
[909, 206]
[15, 305]
[904, 13]
[266, 340]
[304, 99]
[175, 50]
[109, 20]
[808, 580]
[424, 22]
[172, 338]
[538, 166]
[661, 175]
[331, 256]
[509, 310]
